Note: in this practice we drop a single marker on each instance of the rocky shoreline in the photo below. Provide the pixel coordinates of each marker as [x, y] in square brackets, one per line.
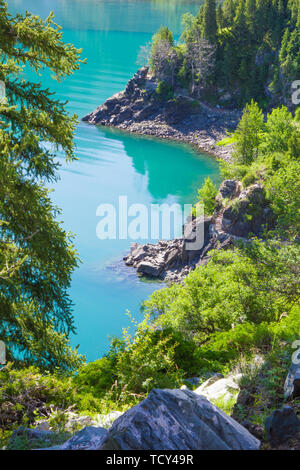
[172, 260]
[139, 110]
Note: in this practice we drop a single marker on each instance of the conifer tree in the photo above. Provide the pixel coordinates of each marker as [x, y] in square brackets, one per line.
[210, 21]
[37, 256]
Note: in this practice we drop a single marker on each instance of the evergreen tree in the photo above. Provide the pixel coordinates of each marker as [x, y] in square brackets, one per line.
[163, 56]
[220, 16]
[250, 14]
[37, 256]
[228, 12]
[210, 21]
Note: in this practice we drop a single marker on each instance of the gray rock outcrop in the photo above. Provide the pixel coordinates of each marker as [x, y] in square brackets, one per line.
[177, 420]
[282, 425]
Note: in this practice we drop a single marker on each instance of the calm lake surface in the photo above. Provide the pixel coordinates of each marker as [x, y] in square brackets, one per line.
[112, 163]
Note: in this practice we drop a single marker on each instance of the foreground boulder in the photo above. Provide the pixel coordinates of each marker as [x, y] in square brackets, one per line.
[177, 420]
[282, 425]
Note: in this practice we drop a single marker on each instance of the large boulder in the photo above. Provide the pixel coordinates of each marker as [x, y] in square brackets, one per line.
[282, 425]
[177, 420]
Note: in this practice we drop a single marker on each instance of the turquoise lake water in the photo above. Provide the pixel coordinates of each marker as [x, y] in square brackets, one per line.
[112, 163]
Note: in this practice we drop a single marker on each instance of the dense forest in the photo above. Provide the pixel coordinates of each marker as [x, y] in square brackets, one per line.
[232, 52]
[243, 303]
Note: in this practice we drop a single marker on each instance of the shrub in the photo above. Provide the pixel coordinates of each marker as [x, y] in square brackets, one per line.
[207, 196]
[26, 393]
[164, 91]
[254, 283]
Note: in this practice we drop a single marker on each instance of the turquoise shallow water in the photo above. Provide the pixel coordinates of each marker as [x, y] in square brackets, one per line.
[112, 163]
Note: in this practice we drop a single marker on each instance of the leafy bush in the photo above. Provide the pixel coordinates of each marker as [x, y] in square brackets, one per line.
[253, 283]
[207, 197]
[283, 190]
[96, 377]
[136, 363]
[164, 91]
[26, 393]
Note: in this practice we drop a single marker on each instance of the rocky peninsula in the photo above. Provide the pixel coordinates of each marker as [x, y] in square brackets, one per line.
[139, 109]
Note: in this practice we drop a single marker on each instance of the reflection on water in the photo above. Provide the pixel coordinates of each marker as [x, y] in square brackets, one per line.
[170, 168]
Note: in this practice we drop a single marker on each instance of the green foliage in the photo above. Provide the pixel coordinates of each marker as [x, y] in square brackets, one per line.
[22, 442]
[136, 364]
[263, 386]
[257, 47]
[97, 376]
[164, 91]
[28, 393]
[279, 129]
[225, 405]
[210, 21]
[247, 136]
[254, 283]
[163, 56]
[283, 190]
[207, 196]
[37, 255]
[268, 153]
